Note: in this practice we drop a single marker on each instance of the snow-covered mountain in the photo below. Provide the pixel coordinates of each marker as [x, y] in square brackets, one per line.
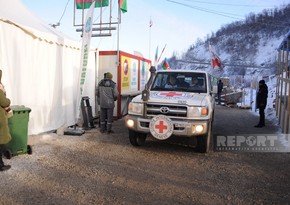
[248, 51]
[246, 47]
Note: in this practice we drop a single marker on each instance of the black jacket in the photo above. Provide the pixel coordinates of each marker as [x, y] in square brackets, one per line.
[262, 96]
[220, 87]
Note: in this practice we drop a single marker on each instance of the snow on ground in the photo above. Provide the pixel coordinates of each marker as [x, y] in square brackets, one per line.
[267, 50]
[249, 99]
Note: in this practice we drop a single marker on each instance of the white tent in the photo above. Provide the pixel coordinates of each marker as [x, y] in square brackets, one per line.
[41, 68]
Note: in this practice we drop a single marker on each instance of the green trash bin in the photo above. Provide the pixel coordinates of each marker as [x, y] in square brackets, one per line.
[18, 126]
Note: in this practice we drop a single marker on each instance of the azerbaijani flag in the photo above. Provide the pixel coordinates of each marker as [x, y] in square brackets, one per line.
[85, 4]
[165, 65]
[123, 5]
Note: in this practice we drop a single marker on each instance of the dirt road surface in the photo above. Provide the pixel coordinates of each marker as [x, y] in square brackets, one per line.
[98, 168]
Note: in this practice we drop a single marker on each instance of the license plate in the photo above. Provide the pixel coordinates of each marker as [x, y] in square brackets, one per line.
[182, 125]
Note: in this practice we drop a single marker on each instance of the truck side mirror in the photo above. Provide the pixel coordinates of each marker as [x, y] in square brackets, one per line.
[145, 94]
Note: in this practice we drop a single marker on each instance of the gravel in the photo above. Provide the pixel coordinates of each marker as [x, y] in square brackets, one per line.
[97, 168]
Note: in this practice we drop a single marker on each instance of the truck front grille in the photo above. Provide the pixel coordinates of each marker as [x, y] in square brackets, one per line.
[173, 110]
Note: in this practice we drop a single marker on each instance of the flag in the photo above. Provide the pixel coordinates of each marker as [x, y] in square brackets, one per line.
[165, 65]
[156, 55]
[150, 23]
[87, 34]
[123, 5]
[216, 63]
[85, 4]
[215, 60]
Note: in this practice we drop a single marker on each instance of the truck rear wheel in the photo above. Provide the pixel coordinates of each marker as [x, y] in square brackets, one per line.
[136, 138]
[203, 141]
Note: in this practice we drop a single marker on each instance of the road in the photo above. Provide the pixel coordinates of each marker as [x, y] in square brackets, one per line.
[98, 168]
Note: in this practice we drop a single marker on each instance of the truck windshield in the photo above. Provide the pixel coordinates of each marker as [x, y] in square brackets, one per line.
[183, 81]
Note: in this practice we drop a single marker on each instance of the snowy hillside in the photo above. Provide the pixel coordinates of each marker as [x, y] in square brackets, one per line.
[245, 47]
[248, 52]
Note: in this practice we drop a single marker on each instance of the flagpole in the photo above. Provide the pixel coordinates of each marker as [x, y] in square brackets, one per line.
[150, 25]
[161, 53]
[118, 35]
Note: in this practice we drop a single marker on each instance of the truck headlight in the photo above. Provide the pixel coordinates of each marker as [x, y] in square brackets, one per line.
[135, 108]
[197, 111]
[130, 123]
[199, 128]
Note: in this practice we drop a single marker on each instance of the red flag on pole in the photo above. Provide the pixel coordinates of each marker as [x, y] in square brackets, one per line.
[215, 60]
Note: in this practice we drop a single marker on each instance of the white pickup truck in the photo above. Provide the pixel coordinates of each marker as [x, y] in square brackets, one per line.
[175, 102]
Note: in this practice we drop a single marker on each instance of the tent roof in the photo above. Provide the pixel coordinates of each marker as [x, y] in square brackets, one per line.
[16, 12]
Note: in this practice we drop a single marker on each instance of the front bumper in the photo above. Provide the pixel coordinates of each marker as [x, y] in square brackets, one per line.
[181, 127]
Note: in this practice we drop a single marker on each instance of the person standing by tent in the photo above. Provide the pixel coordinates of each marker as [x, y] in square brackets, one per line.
[107, 94]
[219, 91]
[5, 136]
[261, 102]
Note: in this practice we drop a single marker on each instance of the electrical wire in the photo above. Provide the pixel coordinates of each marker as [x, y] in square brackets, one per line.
[224, 4]
[63, 12]
[229, 15]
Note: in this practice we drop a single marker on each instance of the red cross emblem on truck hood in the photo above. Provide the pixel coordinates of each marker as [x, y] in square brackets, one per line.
[171, 94]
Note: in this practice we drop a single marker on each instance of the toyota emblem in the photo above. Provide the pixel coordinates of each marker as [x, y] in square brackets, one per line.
[164, 110]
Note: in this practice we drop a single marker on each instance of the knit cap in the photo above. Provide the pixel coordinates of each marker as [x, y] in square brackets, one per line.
[109, 75]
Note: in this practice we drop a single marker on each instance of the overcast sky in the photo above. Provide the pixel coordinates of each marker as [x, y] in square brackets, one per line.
[176, 23]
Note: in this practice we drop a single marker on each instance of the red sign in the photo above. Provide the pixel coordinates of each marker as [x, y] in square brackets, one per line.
[171, 94]
[161, 127]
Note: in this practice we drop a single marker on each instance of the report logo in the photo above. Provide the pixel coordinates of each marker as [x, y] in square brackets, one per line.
[252, 143]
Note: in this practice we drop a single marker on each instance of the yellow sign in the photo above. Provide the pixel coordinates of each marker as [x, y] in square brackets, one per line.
[144, 69]
[125, 73]
[134, 75]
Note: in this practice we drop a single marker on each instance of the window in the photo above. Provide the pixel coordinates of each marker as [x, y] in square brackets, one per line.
[183, 81]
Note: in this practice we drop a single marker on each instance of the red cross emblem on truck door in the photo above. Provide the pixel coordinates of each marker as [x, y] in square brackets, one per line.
[171, 94]
[161, 126]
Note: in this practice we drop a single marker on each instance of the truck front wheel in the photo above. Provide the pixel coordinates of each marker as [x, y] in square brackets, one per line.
[203, 141]
[136, 138]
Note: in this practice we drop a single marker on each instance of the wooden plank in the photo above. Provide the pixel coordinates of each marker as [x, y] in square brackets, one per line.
[287, 105]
